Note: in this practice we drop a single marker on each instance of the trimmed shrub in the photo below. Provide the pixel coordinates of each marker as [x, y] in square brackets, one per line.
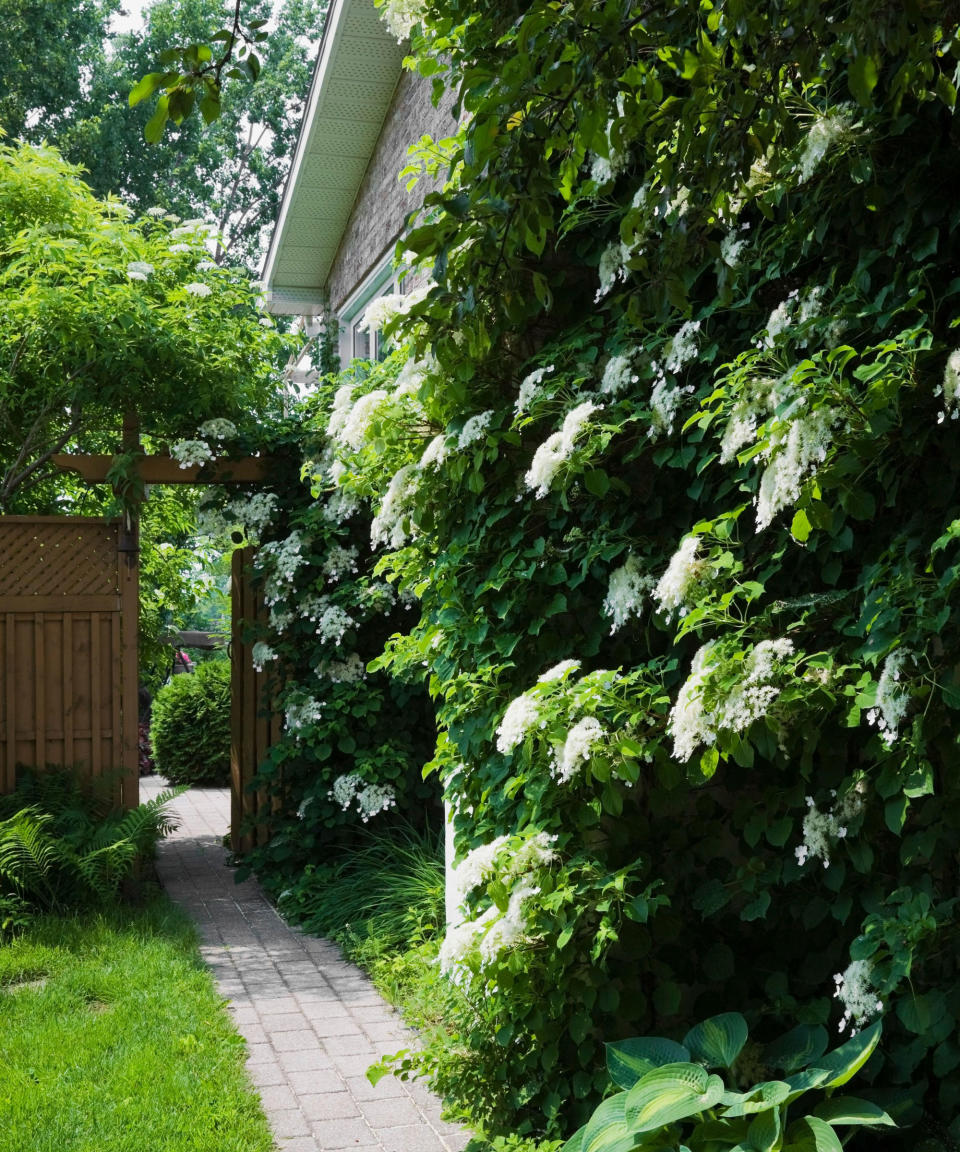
[190, 730]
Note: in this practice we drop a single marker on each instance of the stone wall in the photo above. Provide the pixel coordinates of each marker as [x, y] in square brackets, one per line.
[383, 201]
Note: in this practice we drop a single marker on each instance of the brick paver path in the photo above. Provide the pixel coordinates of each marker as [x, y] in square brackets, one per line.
[313, 1023]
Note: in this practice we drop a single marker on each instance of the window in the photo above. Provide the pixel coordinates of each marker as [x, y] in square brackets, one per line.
[355, 341]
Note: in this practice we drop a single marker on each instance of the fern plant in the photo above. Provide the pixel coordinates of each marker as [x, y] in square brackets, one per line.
[61, 845]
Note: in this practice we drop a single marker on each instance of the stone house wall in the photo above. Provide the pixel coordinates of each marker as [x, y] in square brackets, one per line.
[383, 201]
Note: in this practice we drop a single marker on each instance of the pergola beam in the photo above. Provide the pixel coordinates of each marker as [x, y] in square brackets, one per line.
[165, 470]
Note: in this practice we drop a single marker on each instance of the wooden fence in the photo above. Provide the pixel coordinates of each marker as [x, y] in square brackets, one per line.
[253, 727]
[68, 649]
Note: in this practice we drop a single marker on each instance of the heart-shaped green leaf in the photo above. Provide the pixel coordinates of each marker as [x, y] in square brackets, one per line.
[801, 1082]
[764, 1133]
[797, 1048]
[812, 1135]
[628, 1060]
[717, 1042]
[845, 1062]
[575, 1143]
[760, 1098]
[850, 1110]
[670, 1093]
[607, 1129]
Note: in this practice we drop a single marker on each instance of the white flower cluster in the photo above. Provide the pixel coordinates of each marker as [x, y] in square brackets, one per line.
[855, 991]
[198, 289]
[217, 429]
[821, 830]
[892, 697]
[262, 654]
[617, 374]
[683, 347]
[530, 388]
[730, 248]
[664, 404]
[210, 266]
[385, 309]
[950, 389]
[558, 671]
[369, 798]
[411, 376]
[347, 671]
[795, 308]
[379, 596]
[828, 130]
[741, 428]
[793, 450]
[557, 448]
[603, 169]
[521, 715]
[332, 621]
[156, 211]
[353, 429]
[435, 452]
[340, 562]
[256, 512]
[191, 452]
[302, 711]
[625, 592]
[676, 587]
[394, 511]
[400, 16]
[281, 618]
[611, 268]
[692, 723]
[577, 748]
[283, 557]
[475, 428]
[139, 270]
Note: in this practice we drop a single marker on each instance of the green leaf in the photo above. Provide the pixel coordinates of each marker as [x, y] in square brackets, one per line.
[597, 482]
[812, 1135]
[843, 1063]
[575, 1143]
[629, 1060]
[670, 1093]
[764, 1133]
[607, 1129]
[146, 86]
[153, 130]
[850, 1110]
[769, 1094]
[800, 527]
[795, 1049]
[862, 76]
[717, 1042]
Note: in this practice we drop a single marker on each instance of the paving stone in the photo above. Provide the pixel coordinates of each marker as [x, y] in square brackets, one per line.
[300, 1144]
[308, 1061]
[415, 1138]
[389, 1088]
[279, 1097]
[266, 1075]
[349, 1045]
[333, 1135]
[288, 1122]
[303, 1040]
[316, 1081]
[275, 1022]
[391, 1113]
[329, 1106]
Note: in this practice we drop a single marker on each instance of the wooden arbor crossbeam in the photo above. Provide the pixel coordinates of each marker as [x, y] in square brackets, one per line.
[165, 470]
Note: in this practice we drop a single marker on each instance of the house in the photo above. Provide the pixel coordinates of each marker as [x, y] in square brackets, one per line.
[343, 207]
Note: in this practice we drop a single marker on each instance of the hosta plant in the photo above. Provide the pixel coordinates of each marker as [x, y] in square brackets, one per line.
[674, 1100]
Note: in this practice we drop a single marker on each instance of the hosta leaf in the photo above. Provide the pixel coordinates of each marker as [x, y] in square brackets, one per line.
[797, 1048]
[575, 1143]
[764, 1133]
[670, 1093]
[717, 1042]
[850, 1110]
[812, 1135]
[843, 1063]
[629, 1060]
[769, 1094]
[801, 1082]
[607, 1129]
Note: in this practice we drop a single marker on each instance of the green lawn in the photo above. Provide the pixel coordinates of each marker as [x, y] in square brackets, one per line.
[113, 1039]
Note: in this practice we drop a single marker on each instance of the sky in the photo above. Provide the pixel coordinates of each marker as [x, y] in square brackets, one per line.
[132, 17]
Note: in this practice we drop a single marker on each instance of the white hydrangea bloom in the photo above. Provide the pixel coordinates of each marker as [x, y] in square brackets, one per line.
[139, 270]
[344, 789]
[347, 671]
[190, 453]
[577, 748]
[375, 798]
[892, 698]
[281, 618]
[779, 320]
[475, 428]
[828, 130]
[302, 711]
[510, 928]
[683, 347]
[334, 623]
[478, 865]
[856, 992]
[198, 289]
[530, 388]
[340, 412]
[617, 374]
[411, 376]
[690, 724]
[256, 512]
[521, 715]
[676, 587]
[951, 386]
[435, 452]
[740, 431]
[730, 248]
[218, 429]
[558, 448]
[384, 309]
[459, 939]
[156, 211]
[356, 425]
[822, 830]
[625, 592]
[400, 16]
[340, 562]
[209, 266]
[795, 448]
[262, 654]
[664, 402]
[177, 249]
[558, 671]
[284, 557]
[612, 268]
[388, 524]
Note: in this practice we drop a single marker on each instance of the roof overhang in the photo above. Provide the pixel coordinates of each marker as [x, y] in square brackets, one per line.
[357, 72]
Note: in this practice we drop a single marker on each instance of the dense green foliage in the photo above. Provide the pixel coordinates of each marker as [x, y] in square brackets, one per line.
[682, 414]
[63, 845]
[190, 726]
[114, 1037]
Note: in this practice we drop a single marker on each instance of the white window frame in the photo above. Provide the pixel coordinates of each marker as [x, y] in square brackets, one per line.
[383, 280]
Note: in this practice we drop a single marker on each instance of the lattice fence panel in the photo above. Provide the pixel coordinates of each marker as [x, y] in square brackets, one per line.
[65, 556]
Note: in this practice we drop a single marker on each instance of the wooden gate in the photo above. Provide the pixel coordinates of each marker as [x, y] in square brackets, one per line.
[253, 727]
[68, 649]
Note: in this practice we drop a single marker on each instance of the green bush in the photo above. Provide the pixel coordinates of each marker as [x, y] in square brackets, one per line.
[63, 846]
[190, 730]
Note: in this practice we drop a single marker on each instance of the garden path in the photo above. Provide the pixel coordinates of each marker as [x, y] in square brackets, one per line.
[313, 1023]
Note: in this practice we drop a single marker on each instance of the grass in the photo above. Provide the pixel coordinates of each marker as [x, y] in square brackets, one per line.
[113, 1039]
